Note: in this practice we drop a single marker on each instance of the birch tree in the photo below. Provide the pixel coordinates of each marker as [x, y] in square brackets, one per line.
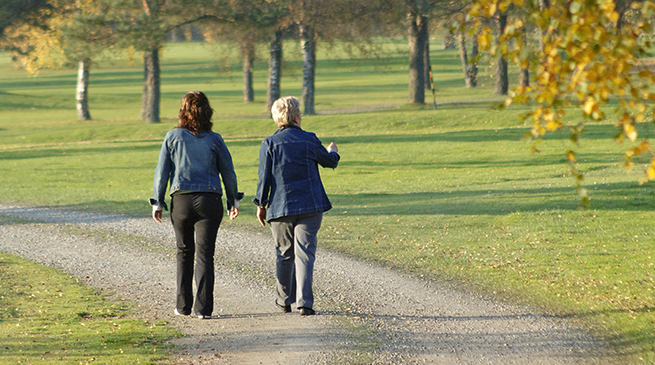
[72, 36]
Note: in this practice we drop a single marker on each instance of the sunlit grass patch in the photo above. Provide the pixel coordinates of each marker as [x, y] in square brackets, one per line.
[47, 317]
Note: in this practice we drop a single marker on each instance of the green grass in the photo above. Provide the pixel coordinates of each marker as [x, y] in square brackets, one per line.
[47, 317]
[451, 194]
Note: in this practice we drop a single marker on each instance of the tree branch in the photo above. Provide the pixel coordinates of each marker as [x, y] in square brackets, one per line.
[215, 18]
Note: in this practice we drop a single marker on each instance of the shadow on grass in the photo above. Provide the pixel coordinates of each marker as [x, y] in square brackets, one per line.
[65, 152]
[495, 202]
[634, 342]
[477, 135]
[13, 102]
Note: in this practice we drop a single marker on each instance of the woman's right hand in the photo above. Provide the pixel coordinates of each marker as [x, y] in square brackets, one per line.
[332, 147]
[156, 215]
[261, 216]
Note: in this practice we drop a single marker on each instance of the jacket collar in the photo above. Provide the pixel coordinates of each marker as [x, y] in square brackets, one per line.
[287, 127]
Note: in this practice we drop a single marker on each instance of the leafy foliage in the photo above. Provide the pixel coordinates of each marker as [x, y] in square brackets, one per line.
[13, 12]
[591, 58]
[76, 30]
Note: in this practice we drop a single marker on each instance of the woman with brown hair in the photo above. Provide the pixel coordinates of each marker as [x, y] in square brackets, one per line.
[193, 159]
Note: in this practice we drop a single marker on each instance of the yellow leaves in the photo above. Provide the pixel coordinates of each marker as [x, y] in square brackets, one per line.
[651, 97]
[643, 147]
[586, 61]
[493, 7]
[650, 173]
[485, 39]
[553, 126]
[609, 9]
[475, 10]
[40, 49]
[630, 131]
[629, 165]
[548, 115]
[544, 78]
[589, 106]
[575, 7]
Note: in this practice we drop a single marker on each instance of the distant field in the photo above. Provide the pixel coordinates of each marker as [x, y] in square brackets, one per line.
[451, 194]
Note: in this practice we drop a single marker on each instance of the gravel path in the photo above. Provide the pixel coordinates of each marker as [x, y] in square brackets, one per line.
[368, 314]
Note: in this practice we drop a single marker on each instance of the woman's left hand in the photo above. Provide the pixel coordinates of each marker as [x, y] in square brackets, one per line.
[233, 213]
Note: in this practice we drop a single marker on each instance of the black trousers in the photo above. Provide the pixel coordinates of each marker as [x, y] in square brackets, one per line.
[196, 218]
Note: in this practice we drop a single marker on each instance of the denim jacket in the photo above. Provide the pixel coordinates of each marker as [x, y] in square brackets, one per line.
[193, 163]
[289, 181]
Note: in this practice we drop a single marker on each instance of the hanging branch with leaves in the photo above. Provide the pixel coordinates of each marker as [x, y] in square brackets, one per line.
[590, 55]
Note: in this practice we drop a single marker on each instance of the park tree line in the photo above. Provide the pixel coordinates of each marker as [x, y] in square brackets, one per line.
[55, 33]
[52, 33]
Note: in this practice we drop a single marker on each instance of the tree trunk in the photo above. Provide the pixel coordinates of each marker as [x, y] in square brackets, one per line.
[463, 56]
[177, 35]
[472, 73]
[524, 73]
[151, 87]
[308, 67]
[248, 49]
[417, 34]
[543, 5]
[426, 59]
[524, 77]
[274, 71]
[82, 96]
[144, 95]
[448, 41]
[501, 86]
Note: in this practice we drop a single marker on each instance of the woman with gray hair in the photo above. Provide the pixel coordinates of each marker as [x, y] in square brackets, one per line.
[291, 197]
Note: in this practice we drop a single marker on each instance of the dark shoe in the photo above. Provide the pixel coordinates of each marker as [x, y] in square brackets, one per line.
[284, 308]
[306, 311]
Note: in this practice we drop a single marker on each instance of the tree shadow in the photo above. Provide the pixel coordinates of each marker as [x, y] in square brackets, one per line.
[485, 336]
[517, 134]
[494, 202]
[25, 154]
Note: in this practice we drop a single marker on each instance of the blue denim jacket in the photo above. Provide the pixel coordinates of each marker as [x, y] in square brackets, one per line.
[193, 163]
[289, 182]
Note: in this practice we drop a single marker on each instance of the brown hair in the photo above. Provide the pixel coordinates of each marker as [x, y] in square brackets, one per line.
[285, 110]
[195, 113]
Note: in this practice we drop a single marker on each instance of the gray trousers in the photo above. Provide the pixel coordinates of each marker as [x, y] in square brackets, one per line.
[295, 246]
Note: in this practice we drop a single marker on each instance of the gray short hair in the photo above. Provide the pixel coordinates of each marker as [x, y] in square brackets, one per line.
[285, 110]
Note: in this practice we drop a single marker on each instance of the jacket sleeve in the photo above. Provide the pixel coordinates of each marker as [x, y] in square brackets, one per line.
[226, 168]
[162, 176]
[325, 158]
[265, 174]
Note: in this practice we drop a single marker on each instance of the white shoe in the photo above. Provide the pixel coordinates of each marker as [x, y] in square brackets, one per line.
[202, 316]
[177, 313]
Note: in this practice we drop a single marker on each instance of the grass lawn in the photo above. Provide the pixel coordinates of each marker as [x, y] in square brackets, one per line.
[47, 317]
[451, 194]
